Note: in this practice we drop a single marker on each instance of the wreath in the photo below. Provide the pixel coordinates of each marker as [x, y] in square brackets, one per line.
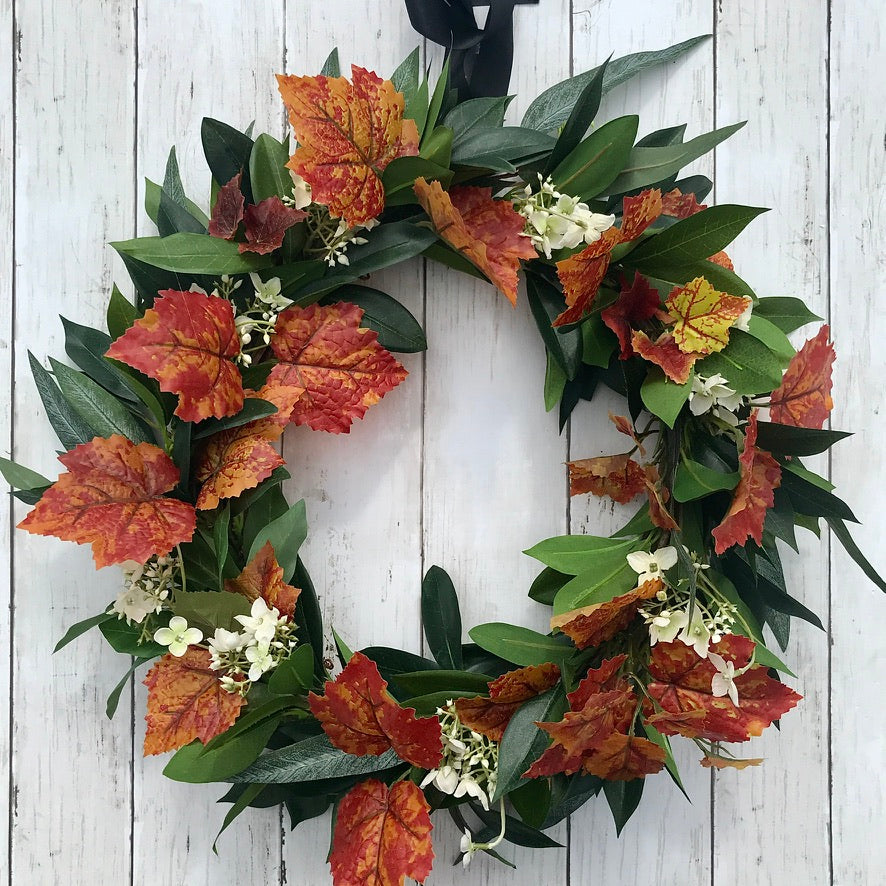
[258, 316]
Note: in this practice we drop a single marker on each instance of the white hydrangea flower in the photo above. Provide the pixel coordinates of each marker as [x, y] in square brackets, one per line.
[178, 636]
[712, 391]
[649, 566]
[723, 682]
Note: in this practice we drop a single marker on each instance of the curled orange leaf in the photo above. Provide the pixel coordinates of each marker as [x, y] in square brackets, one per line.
[188, 342]
[625, 757]
[754, 495]
[487, 232]
[361, 717]
[803, 398]
[624, 426]
[639, 212]
[231, 462]
[658, 500]
[665, 353]
[347, 133]
[112, 497]
[711, 762]
[382, 835]
[490, 716]
[341, 367]
[679, 205]
[263, 577]
[703, 316]
[186, 701]
[599, 622]
[617, 476]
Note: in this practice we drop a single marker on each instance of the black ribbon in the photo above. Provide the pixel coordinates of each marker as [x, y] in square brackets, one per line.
[480, 60]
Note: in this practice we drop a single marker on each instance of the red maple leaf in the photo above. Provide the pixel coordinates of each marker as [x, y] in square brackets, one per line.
[231, 462]
[635, 304]
[625, 757]
[113, 498]
[755, 493]
[665, 353]
[679, 205]
[186, 701]
[263, 577]
[617, 476]
[188, 342]
[341, 367]
[228, 210]
[599, 622]
[681, 684]
[804, 397]
[265, 224]
[361, 717]
[488, 232]
[490, 716]
[382, 835]
[347, 132]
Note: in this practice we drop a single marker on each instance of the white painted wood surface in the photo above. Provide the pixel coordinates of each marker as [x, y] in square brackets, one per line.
[460, 466]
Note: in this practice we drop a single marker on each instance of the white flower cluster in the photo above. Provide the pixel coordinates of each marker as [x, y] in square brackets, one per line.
[336, 242]
[558, 221]
[146, 588]
[470, 760]
[713, 394]
[266, 639]
[260, 315]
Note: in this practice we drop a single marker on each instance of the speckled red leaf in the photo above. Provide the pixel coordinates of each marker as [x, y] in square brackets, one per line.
[284, 397]
[186, 701]
[722, 259]
[679, 205]
[665, 353]
[382, 835]
[639, 212]
[231, 462]
[265, 224]
[487, 232]
[616, 476]
[703, 316]
[599, 622]
[347, 133]
[658, 500]
[361, 717]
[490, 716]
[188, 342]
[342, 368]
[625, 757]
[228, 210]
[754, 495]
[582, 274]
[635, 304]
[804, 397]
[681, 683]
[112, 497]
[263, 577]
[604, 678]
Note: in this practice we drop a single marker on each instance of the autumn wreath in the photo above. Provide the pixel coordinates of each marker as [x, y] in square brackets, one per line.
[258, 316]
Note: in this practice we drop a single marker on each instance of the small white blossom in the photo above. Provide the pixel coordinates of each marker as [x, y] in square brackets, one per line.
[744, 317]
[723, 682]
[712, 391]
[261, 623]
[467, 848]
[696, 633]
[665, 626]
[268, 292]
[301, 191]
[260, 659]
[134, 604]
[649, 566]
[178, 636]
[444, 779]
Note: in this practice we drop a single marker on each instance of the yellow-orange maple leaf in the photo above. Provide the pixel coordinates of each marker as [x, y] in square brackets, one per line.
[703, 316]
[263, 577]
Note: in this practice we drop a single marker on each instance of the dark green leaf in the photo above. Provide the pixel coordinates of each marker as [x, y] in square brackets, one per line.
[286, 535]
[121, 313]
[436, 104]
[569, 793]
[81, 628]
[623, 798]
[308, 616]
[546, 302]
[838, 527]
[441, 619]
[695, 480]
[748, 364]
[785, 312]
[555, 381]
[400, 175]
[405, 77]
[332, 66]
[125, 638]
[516, 831]
[487, 148]
[532, 801]
[253, 408]
[86, 348]
[20, 477]
[173, 219]
[267, 169]
[114, 697]
[209, 610]
[575, 554]
[294, 675]
[790, 440]
[477, 113]
[397, 329]
[670, 135]
[808, 498]
[392, 662]
[192, 254]
[69, 427]
[608, 577]
[598, 342]
[772, 337]
[546, 585]
[425, 682]
[227, 153]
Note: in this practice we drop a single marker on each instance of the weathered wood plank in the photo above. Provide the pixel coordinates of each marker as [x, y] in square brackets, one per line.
[781, 55]
[858, 259]
[74, 172]
[196, 60]
[667, 840]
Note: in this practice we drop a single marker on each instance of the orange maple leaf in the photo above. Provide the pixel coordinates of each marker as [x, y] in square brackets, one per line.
[490, 716]
[188, 342]
[582, 274]
[635, 304]
[679, 205]
[382, 835]
[658, 500]
[703, 316]
[361, 717]
[599, 622]
[624, 757]
[803, 398]
[347, 132]
[263, 577]
[722, 259]
[341, 367]
[755, 493]
[113, 498]
[681, 684]
[487, 232]
[617, 476]
[186, 701]
[624, 426]
[665, 353]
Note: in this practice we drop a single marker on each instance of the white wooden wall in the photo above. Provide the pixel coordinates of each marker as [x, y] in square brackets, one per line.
[460, 466]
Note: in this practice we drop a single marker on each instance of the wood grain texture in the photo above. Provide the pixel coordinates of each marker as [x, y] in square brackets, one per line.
[183, 50]
[784, 79]
[460, 466]
[73, 189]
[667, 840]
[858, 262]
